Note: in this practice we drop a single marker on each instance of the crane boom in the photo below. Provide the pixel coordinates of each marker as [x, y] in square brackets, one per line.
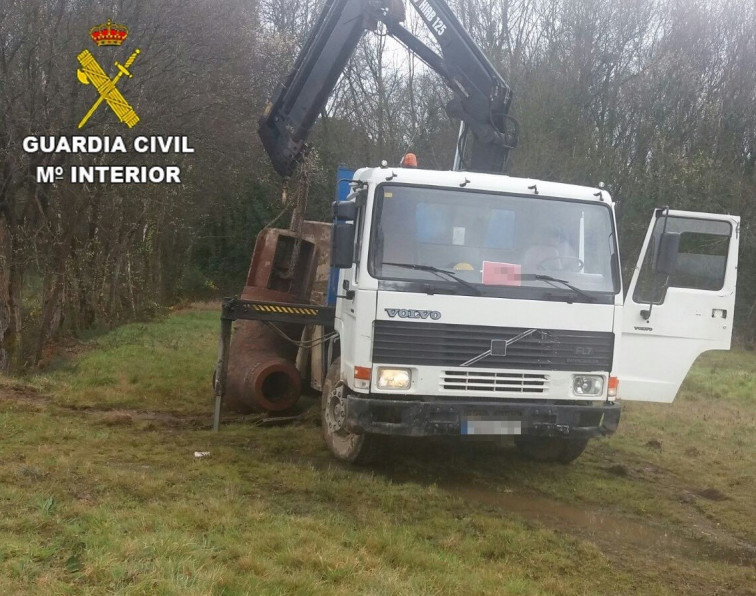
[481, 96]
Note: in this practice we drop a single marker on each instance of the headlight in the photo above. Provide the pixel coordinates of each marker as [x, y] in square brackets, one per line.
[394, 378]
[587, 384]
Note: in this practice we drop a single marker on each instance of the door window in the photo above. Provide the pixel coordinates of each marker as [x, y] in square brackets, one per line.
[701, 260]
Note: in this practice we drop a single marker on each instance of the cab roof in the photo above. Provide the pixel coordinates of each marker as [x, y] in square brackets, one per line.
[485, 182]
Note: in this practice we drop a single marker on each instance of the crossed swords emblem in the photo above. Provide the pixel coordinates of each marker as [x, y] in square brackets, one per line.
[92, 73]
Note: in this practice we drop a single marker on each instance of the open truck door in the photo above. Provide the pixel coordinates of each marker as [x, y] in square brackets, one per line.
[680, 302]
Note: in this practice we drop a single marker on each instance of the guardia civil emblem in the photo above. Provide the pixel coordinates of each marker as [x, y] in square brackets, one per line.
[91, 73]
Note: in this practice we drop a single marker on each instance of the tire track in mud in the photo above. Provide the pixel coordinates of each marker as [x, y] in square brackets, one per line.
[671, 556]
[120, 416]
[610, 531]
[622, 538]
[109, 416]
[461, 469]
[646, 549]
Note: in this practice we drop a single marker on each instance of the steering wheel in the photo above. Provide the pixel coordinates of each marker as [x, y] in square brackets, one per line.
[460, 266]
[578, 264]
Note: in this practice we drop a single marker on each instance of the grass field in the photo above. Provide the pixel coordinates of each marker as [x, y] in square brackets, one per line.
[100, 491]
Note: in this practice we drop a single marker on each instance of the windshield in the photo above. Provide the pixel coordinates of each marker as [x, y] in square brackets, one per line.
[492, 241]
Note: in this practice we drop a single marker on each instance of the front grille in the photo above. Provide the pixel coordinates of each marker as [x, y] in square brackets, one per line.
[493, 382]
[435, 344]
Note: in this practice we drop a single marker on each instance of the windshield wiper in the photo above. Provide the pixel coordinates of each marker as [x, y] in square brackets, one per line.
[553, 280]
[439, 273]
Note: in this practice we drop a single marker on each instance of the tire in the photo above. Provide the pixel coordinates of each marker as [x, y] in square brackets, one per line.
[550, 449]
[350, 447]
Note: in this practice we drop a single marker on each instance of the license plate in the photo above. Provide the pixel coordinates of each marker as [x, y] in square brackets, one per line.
[491, 427]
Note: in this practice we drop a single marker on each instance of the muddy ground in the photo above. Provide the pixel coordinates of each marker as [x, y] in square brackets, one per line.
[676, 540]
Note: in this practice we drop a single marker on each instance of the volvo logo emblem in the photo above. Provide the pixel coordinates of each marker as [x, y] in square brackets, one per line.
[499, 346]
[411, 313]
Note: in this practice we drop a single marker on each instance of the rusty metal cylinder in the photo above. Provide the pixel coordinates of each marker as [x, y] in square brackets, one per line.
[261, 371]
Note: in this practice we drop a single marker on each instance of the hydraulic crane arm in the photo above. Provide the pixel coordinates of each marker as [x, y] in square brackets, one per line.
[481, 96]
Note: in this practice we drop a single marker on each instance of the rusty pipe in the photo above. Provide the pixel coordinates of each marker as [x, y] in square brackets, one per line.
[261, 371]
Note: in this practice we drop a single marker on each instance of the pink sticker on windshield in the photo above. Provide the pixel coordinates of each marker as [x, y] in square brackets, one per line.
[501, 274]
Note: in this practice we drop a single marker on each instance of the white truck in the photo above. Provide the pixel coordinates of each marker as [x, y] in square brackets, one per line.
[473, 303]
[481, 304]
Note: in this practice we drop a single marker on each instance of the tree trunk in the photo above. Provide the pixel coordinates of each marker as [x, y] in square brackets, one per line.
[11, 281]
[52, 312]
[13, 344]
[5, 313]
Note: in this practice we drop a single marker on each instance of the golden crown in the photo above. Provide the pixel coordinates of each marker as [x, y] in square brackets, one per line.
[109, 34]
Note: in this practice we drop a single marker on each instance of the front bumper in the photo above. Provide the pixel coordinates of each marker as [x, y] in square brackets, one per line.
[423, 418]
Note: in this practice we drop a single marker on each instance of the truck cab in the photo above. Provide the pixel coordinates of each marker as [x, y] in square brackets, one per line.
[482, 304]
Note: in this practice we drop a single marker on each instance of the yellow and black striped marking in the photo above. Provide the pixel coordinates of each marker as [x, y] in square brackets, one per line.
[278, 312]
[293, 310]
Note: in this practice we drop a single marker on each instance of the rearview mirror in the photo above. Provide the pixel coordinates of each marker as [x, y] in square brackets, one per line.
[345, 210]
[342, 245]
[666, 258]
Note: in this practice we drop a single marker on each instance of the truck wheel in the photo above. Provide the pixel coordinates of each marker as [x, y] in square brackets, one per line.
[551, 449]
[346, 446]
